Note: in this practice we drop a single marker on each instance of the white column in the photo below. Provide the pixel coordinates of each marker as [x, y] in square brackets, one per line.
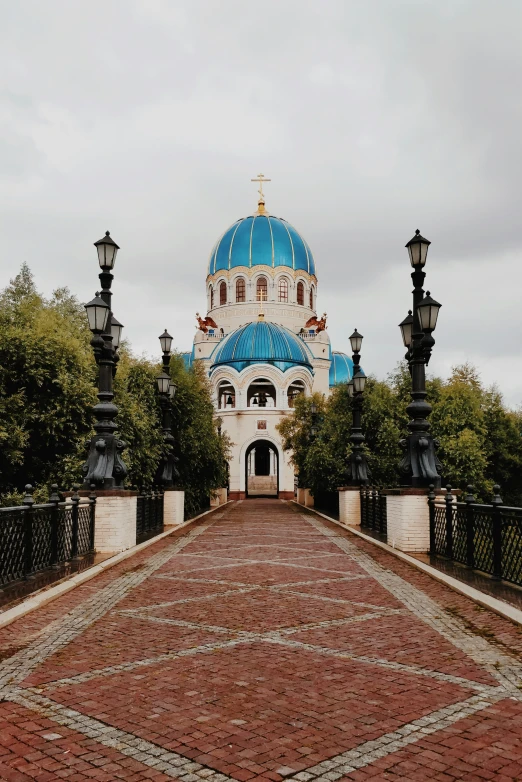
[308, 499]
[115, 521]
[408, 519]
[350, 506]
[173, 507]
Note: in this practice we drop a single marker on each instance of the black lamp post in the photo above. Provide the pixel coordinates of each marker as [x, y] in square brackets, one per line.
[104, 466]
[167, 471]
[419, 466]
[357, 471]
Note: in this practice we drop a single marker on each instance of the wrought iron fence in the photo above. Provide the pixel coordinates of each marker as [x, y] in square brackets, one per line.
[373, 510]
[149, 514]
[34, 537]
[327, 501]
[483, 537]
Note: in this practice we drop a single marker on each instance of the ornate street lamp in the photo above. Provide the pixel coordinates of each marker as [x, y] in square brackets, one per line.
[116, 329]
[357, 471]
[406, 327]
[104, 466]
[97, 314]
[167, 471]
[419, 466]
[107, 252]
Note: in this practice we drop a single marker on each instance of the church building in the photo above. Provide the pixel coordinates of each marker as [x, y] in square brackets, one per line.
[262, 344]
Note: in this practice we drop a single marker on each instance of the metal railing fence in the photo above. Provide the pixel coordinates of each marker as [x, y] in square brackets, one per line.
[327, 501]
[34, 537]
[373, 510]
[149, 514]
[482, 537]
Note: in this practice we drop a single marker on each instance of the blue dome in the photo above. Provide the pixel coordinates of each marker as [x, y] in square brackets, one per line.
[262, 343]
[341, 368]
[261, 240]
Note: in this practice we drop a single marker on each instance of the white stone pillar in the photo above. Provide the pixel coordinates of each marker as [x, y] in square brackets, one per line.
[350, 506]
[220, 499]
[173, 507]
[408, 519]
[308, 499]
[115, 521]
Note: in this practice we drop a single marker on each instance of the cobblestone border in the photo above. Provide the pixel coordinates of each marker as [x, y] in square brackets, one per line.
[506, 670]
[65, 629]
[493, 603]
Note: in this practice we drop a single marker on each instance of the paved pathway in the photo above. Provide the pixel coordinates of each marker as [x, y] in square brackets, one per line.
[262, 643]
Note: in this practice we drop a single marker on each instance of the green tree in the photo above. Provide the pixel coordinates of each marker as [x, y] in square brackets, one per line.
[48, 387]
[479, 438]
[139, 416]
[203, 453]
[309, 455]
[46, 383]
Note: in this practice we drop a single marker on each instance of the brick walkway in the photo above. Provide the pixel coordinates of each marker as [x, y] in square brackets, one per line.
[261, 643]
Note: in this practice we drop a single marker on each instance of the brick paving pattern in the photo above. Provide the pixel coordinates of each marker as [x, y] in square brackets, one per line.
[261, 643]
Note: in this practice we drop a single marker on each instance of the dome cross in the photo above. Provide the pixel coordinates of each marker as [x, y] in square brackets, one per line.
[261, 202]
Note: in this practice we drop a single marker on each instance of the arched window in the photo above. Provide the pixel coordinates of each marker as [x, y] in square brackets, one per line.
[311, 298]
[283, 289]
[240, 289]
[211, 297]
[262, 289]
[300, 293]
[222, 293]
[226, 395]
[295, 388]
[261, 393]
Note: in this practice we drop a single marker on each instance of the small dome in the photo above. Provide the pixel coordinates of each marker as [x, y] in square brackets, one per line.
[258, 240]
[262, 343]
[341, 368]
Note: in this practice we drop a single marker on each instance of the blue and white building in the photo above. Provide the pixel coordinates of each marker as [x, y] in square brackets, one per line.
[261, 291]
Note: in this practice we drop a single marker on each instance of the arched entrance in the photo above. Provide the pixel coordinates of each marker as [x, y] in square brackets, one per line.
[262, 469]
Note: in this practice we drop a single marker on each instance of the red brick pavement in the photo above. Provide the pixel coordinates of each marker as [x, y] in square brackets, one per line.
[272, 644]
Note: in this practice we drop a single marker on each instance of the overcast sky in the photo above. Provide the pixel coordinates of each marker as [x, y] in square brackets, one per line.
[371, 117]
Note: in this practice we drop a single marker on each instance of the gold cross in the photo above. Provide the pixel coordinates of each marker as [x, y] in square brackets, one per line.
[262, 296]
[261, 178]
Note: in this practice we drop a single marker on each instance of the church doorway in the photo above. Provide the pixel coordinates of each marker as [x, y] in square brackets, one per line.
[262, 469]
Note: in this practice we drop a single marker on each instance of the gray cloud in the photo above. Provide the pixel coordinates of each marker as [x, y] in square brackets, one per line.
[149, 117]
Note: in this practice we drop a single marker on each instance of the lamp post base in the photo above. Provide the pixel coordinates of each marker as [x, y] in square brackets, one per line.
[420, 466]
[104, 466]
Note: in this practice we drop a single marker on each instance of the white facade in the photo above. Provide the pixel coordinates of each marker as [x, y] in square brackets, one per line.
[253, 396]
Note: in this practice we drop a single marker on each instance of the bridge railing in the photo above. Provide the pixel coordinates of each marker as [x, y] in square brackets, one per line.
[373, 510]
[34, 537]
[149, 514]
[485, 537]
